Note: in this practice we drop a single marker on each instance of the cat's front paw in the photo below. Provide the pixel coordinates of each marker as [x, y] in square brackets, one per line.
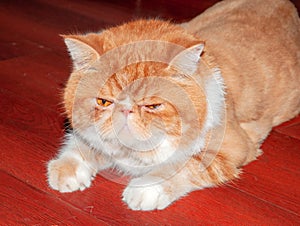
[67, 175]
[146, 193]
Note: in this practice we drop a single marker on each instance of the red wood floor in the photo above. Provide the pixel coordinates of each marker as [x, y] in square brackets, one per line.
[34, 66]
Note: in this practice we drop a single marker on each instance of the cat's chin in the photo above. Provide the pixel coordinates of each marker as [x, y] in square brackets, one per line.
[134, 161]
[134, 158]
[140, 144]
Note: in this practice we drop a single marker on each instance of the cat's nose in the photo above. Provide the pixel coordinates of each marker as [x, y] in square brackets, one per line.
[127, 111]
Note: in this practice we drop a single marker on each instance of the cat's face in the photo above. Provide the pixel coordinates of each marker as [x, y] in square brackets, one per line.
[140, 107]
[137, 112]
[141, 101]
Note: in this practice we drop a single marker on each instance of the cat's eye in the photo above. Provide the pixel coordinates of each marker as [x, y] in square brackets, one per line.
[153, 106]
[103, 102]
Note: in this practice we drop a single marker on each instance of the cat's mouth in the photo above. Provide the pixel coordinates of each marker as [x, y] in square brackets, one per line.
[128, 132]
[138, 141]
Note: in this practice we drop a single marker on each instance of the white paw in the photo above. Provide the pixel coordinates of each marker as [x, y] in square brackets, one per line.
[67, 175]
[146, 194]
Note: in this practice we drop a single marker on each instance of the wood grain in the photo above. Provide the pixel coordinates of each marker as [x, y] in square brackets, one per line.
[274, 177]
[22, 204]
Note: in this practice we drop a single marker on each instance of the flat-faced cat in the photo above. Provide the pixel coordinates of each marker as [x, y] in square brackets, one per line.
[178, 107]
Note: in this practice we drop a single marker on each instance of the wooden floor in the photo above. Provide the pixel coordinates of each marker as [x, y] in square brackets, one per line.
[34, 66]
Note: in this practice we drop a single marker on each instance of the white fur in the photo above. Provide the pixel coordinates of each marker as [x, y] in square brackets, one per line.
[187, 60]
[164, 152]
[131, 162]
[84, 172]
[81, 180]
[82, 54]
[215, 96]
[126, 103]
[135, 166]
[93, 137]
[146, 193]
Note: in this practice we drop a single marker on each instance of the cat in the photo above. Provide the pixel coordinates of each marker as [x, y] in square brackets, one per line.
[178, 107]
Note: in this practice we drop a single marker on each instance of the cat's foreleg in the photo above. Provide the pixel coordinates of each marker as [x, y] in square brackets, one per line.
[158, 190]
[75, 166]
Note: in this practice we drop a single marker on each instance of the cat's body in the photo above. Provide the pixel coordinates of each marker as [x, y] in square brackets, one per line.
[267, 33]
[158, 111]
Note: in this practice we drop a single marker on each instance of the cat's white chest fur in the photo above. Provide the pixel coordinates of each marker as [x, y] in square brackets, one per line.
[140, 163]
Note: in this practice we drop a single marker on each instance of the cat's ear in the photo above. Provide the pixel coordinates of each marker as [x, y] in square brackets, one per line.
[187, 60]
[81, 53]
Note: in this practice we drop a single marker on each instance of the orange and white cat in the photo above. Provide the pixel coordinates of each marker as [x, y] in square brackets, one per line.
[178, 107]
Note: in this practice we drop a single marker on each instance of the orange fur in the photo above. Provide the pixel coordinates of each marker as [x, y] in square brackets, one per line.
[193, 135]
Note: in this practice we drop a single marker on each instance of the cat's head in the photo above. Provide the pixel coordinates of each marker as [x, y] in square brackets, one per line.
[142, 90]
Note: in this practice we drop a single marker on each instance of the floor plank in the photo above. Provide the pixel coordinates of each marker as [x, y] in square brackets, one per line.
[21, 204]
[218, 206]
[18, 73]
[290, 128]
[12, 45]
[275, 176]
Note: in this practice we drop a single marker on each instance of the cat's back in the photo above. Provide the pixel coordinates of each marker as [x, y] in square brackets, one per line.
[237, 17]
[257, 46]
[243, 31]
